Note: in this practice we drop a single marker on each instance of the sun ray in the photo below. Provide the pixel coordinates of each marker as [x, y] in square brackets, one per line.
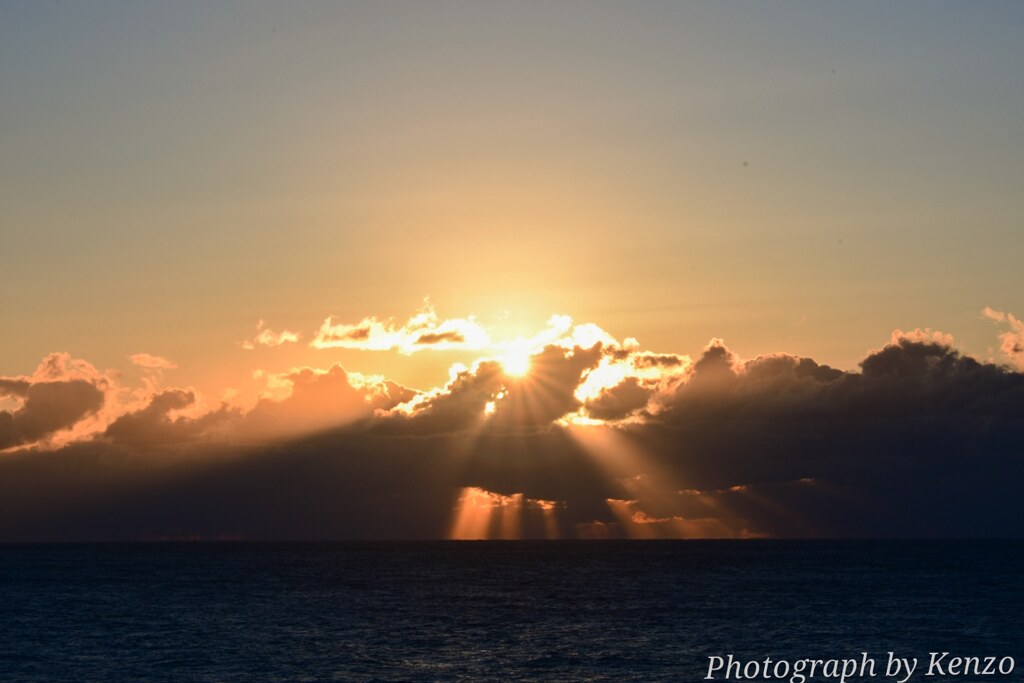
[480, 514]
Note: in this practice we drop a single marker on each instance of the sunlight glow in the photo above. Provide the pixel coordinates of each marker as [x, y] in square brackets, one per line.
[481, 514]
[516, 361]
[604, 376]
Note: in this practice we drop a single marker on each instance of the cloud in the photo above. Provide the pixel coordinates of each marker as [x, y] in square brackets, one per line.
[435, 338]
[488, 394]
[313, 400]
[48, 407]
[266, 337]
[619, 401]
[145, 360]
[14, 387]
[423, 331]
[62, 392]
[634, 522]
[627, 380]
[458, 406]
[60, 366]
[597, 438]
[321, 399]
[160, 421]
[925, 336]
[909, 376]
[993, 314]
[920, 432]
[657, 360]
[1011, 342]
[482, 514]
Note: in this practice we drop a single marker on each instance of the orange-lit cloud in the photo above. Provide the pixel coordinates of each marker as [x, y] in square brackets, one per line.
[569, 372]
[149, 361]
[627, 379]
[1011, 342]
[487, 391]
[636, 523]
[61, 393]
[482, 515]
[925, 336]
[266, 337]
[321, 399]
[161, 421]
[592, 436]
[423, 331]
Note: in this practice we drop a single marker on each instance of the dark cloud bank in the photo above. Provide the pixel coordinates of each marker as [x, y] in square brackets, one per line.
[46, 407]
[921, 442]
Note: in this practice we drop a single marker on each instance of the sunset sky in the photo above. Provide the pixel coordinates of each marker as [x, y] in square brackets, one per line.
[564, 236]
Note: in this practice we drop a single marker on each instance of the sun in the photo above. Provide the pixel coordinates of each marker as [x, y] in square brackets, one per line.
[516, 362]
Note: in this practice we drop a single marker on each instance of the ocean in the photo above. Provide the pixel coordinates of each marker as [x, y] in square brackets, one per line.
[498, 611]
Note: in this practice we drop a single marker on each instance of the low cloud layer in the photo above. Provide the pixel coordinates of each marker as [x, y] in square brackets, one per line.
[568, 434]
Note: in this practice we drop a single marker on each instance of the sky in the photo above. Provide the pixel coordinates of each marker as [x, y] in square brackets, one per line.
[239, 228]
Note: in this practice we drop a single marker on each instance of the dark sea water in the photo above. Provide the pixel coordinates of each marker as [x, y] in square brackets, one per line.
[502, 611]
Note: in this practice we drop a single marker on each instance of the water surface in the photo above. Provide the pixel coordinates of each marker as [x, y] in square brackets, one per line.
[595, 611]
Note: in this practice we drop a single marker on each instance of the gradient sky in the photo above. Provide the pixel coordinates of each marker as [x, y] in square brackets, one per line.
[801, 176]
[505, 270]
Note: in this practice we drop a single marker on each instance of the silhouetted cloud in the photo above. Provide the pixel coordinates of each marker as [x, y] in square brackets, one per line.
[597, 439]
[487, 394]
[431, 338]
[60, 393]
[657, 360]
[619, 401]
[155, 423]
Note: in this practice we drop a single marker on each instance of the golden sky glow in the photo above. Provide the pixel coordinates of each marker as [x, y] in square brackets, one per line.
[523, 424]
[565, 249]
[674, 174]
[565, 372]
